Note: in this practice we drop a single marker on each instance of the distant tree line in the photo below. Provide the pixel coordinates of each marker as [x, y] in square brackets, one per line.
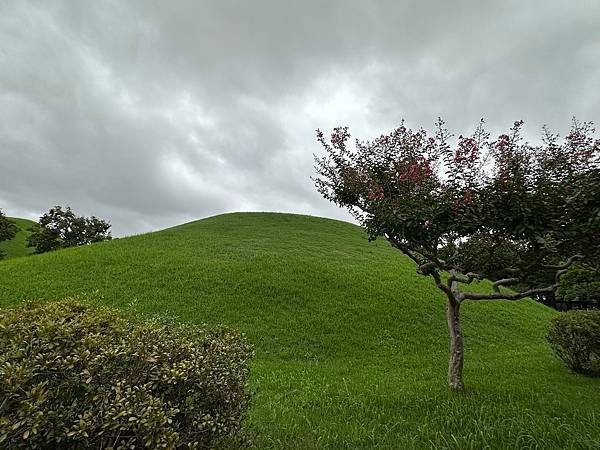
[579, 289]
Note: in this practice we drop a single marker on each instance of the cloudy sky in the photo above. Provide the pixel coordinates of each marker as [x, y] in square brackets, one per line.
[152, 113]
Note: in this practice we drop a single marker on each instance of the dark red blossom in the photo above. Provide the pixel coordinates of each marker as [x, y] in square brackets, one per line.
[416, 171]
[467, 197]
[503, 142]
[339, 137]
[467, 152]
[376, 194]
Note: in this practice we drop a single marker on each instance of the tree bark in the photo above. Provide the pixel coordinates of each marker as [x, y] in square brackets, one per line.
[455, 366]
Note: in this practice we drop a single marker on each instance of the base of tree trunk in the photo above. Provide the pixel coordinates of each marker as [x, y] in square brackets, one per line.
[456, 386]
[455, 365]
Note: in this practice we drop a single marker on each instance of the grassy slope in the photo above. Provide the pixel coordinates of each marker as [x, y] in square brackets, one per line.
[351, 344]
[18, 245]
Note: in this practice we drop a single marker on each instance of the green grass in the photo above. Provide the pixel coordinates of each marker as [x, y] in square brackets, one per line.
[351, 345]
[18, 245]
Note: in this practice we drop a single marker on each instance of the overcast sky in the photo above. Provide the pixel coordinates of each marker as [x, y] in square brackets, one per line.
[153, 113]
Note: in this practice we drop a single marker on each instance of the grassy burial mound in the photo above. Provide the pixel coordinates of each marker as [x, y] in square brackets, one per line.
[351, 345]
[18, 245]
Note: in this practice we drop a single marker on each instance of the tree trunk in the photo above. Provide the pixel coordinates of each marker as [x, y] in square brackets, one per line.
[455, 366]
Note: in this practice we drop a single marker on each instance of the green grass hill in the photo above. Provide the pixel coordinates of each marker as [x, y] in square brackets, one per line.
[18, 245]
[351, 345]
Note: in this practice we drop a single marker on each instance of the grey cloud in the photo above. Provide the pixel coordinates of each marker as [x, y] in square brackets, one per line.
[151, 113]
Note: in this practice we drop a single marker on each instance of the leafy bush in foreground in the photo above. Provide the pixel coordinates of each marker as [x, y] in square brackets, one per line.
[575, 338]
[73, 375]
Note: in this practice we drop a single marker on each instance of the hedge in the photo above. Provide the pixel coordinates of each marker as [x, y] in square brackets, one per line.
[78, 375]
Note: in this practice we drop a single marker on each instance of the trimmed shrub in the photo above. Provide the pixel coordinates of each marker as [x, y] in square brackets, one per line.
[76, 375]
[575, 338]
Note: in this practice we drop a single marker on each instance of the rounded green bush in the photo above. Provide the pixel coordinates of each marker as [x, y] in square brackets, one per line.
[575, 338]
[74, 375]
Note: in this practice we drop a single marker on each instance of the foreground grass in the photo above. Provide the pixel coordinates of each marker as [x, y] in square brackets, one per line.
[18, 245]
[351, 344]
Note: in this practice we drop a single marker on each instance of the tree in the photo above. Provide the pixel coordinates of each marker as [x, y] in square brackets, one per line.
[8, 230]
[534, 208]
[62, 228]
[580, 284]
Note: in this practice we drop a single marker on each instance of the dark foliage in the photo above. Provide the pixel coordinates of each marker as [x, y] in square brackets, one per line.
[79, 376]
[580, 284]
[8, 230]
[61, 228]
[575, 338]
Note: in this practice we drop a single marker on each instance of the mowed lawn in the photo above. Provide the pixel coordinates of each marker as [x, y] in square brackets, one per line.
[351, 345]
[18, 245]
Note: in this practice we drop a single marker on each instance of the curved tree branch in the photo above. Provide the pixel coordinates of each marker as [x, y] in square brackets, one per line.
[403, 248]
[497, 295]
[466, 279]
[506, 296]
[568, 263]
[446, 289]
[504, 282]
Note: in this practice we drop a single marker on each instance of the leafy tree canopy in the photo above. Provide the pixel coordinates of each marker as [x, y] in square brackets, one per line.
[503, 209]
[61, 228]
[500, 209]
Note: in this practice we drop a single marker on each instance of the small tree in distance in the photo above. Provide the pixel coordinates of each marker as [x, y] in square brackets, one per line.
[534, 209]
[61, 228]
[8, 230]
